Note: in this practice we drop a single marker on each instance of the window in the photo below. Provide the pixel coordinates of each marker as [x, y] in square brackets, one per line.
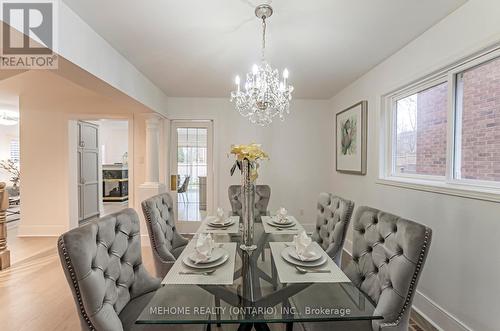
[443, 133]
[420, 144]
[14, 150]
[192, 162]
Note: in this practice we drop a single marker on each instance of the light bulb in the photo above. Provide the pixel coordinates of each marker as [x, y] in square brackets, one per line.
[237, 81]
[255, 69]
[285, 73]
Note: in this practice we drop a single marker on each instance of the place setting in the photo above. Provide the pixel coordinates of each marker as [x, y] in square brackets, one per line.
[220, 223]
[204, 262]
[281, 223]
[303, 260]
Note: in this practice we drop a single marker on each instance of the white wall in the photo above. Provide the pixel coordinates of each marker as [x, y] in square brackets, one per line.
[47, 106]
[459, 285]
[80, 44]
[7, 133]
[300, 154]
[114, 140]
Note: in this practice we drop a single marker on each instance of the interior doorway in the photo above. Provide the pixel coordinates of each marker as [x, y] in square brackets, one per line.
[102, 167]
[192, 171]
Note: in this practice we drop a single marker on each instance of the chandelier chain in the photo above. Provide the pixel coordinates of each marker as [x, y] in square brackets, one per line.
[263, 37]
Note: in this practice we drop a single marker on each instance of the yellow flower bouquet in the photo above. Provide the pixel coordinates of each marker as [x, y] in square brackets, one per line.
[252, 153]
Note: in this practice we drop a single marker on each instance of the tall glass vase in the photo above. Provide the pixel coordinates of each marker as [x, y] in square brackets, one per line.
[248, 192]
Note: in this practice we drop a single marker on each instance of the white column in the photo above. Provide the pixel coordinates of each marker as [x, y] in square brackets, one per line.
[152, 150]
[152, 184]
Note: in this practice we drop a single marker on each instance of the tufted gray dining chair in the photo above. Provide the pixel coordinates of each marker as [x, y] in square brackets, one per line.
[262, 196]
[103, 265]
[166, 242]
[389, 253]
[334, 215]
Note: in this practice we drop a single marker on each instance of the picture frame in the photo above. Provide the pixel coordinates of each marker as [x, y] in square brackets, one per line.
[351, 139]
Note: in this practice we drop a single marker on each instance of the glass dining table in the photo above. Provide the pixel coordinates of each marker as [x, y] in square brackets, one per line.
[257, 297]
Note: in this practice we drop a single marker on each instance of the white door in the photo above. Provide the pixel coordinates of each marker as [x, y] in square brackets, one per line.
[191, 181]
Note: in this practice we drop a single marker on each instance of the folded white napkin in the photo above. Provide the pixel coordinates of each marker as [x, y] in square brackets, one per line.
[281, 215]
[303, 246]
[220, 216]
[203, 247]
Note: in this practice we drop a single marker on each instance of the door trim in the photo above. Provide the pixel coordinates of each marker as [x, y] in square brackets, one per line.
[192, 226]
[72, 125]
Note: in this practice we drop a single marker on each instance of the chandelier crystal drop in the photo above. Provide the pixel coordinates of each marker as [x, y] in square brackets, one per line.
[265, 95]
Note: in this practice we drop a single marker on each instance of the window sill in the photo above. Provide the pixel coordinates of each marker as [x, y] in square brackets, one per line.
[465, 191]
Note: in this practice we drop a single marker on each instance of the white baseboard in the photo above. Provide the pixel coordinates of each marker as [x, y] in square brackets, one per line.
[428, 309]
[436, 315]
[41, 230]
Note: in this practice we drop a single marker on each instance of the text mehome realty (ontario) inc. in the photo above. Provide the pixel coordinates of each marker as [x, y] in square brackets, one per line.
[252, 311]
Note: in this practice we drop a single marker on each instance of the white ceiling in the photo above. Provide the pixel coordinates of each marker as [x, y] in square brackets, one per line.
[194, 48]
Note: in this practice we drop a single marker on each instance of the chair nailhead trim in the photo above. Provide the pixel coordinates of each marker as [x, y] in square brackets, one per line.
[69, 266]
[151, 237]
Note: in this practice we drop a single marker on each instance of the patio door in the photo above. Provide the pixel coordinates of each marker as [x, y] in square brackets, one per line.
[191, 180]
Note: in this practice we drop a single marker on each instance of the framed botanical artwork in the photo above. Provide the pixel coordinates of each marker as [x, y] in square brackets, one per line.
[351, 133]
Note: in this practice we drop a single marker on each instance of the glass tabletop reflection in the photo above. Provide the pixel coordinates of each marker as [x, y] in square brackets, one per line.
[257, 295]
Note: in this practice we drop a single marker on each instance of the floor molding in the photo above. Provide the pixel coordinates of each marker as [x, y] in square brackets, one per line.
[44, 253]
[40, 230]
[422, 321]
[436, 315]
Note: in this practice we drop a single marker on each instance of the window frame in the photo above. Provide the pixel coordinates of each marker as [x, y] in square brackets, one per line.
[391, 171]
[450, 183]
[455, 131]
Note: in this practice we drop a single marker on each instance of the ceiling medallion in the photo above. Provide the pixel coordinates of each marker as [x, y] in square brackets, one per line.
[264, 95]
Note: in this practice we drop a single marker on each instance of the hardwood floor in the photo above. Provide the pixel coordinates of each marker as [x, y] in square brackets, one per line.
[22, 248]
[34, 295]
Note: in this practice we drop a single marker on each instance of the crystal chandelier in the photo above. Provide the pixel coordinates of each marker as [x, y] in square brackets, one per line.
[9, 117]
[264, 95]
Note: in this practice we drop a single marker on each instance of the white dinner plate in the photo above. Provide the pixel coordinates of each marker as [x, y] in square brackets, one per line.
[286, 256]
[187, 262]
[287, 221]
[226, 223]
[293, 253]
[279, 225]
[217, 253]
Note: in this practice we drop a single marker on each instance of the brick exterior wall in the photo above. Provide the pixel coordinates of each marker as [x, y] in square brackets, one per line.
[431, 131]
[481, 123]
[480, 136]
